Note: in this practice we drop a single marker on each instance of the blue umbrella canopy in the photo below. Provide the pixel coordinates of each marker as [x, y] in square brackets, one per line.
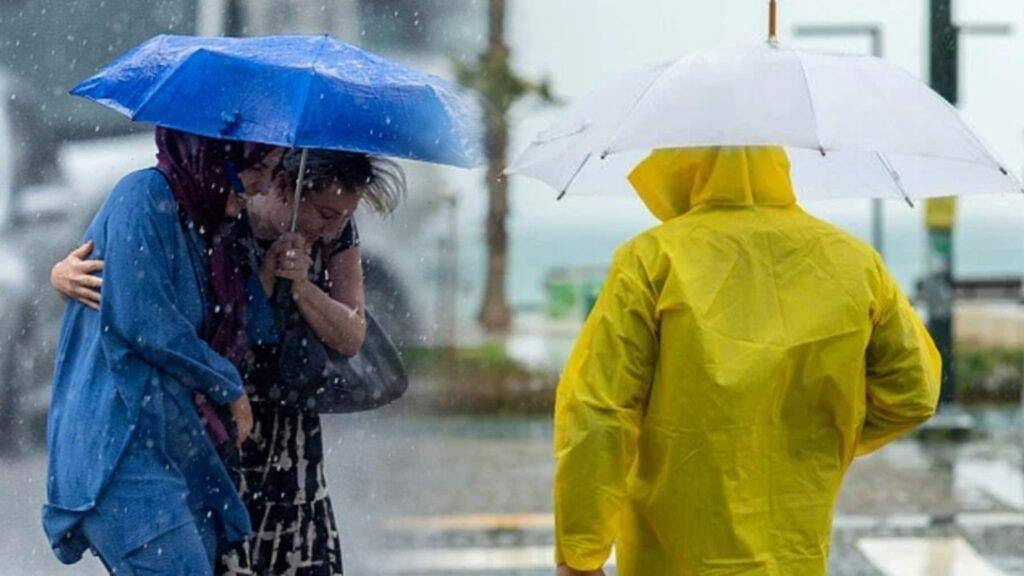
[295, 91]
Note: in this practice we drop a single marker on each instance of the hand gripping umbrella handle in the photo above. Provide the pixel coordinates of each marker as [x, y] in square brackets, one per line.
[282, 299]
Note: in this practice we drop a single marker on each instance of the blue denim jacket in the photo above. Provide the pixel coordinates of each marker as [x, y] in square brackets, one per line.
[140, 350]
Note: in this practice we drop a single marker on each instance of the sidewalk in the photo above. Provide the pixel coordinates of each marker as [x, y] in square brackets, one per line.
[459, 496]
[462, 496]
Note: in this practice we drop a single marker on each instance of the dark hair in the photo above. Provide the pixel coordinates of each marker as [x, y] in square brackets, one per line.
[378, 181]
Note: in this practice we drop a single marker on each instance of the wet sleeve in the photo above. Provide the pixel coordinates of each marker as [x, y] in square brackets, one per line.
[903, 371]
[139, 305]
[599, 408]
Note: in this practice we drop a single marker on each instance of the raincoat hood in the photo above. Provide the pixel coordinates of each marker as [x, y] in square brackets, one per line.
[672, 181]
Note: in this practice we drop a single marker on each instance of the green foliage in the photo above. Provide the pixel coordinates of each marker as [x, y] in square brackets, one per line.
[478, 380]
[499, 83]
[989, 375]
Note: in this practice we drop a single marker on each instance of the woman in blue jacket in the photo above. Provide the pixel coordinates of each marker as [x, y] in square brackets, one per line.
[134, 471]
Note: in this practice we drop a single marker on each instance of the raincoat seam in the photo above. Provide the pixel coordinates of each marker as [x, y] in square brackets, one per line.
[775, 296]
[831, 276]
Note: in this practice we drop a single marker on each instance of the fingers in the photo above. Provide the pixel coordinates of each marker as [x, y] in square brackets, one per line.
[294, 241]
[89, 266]
[244, 431]
[287, 241]
[87, 297]
[298, 266]
[278, 246]
[88, 280]
[293, 275]
[241, 413]
[84, 250]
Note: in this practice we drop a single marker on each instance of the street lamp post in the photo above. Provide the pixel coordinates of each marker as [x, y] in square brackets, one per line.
[943, 73]
[874, 33]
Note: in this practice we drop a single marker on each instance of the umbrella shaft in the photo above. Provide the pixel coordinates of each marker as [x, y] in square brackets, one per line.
[298, 189]
[772, 20]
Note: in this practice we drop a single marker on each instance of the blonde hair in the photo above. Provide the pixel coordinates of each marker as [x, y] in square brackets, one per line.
[379, 182]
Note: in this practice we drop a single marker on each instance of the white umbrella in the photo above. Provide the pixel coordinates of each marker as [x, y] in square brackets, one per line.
[853, 126]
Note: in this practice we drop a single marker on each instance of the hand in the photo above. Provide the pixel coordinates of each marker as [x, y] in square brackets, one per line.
[73, 276]
[293, 260]
[241, 413]
[564, 570]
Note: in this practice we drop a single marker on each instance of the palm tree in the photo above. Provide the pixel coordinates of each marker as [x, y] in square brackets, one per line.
[492, 76]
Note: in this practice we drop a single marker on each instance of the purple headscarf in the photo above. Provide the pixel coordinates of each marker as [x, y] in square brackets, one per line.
[196, 167]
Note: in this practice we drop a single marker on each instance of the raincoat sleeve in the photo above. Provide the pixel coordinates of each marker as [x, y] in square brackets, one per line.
[140, 307]
[598, 414]
[903, 370]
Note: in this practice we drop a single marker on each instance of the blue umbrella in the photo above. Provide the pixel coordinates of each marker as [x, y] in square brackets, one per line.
[295, 91]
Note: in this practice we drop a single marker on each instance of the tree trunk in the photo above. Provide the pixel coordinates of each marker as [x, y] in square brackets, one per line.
[494, 313]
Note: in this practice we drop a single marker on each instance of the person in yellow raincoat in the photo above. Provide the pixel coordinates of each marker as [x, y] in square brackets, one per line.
[739, 356]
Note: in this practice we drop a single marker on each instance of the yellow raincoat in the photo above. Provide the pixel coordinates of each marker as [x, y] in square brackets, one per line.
[738, 358]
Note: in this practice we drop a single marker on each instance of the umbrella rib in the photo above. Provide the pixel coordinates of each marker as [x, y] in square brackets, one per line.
[810, 100]
[156, 87]
[309, 84]
[895, 177]
[647, 90]
[565, 189]
[446, 105]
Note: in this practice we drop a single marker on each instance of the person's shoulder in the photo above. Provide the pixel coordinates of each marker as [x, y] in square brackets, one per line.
[148, 181]
[836, 238]
[655, 240]
[143, 191]
[641, 255]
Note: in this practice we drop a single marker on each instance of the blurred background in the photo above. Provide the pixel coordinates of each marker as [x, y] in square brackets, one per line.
[485, 281]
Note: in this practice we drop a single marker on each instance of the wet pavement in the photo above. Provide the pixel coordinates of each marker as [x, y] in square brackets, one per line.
[419, 495]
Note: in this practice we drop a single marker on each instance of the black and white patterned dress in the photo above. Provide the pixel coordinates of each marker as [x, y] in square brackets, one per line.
[282, 477]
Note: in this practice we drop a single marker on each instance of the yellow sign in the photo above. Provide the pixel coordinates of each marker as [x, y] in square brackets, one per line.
[940, 213]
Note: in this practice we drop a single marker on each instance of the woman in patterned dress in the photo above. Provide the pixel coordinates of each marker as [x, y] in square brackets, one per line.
[282, 479]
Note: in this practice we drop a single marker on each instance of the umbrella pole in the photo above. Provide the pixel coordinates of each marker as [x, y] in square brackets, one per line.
[298, 189]
[282, 298]
[772, 20]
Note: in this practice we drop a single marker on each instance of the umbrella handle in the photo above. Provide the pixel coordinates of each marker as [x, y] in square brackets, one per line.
[281, 303]
[772, 21]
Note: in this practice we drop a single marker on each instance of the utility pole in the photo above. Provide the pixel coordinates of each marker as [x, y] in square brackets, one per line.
[940, 213]
[874, 33]
[448, 294]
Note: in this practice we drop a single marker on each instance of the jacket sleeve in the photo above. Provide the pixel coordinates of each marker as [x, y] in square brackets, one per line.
[140, 308]
[903, 371]
[598, 415]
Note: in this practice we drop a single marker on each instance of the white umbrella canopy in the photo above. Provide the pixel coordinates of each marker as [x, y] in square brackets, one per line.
[853, 126]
